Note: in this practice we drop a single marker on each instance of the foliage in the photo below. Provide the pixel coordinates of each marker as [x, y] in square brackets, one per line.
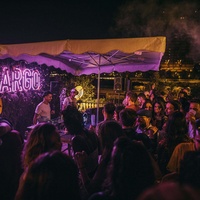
[88, 88]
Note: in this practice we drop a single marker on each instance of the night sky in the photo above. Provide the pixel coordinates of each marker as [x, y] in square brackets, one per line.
[34, 21]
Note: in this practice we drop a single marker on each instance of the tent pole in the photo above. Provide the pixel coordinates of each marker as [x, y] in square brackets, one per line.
[98, 91]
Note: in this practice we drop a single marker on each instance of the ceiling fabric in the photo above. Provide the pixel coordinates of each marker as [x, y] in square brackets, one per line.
[88, 56]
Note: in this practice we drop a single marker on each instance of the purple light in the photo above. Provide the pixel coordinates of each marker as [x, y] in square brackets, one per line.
[27, 82]
[35, 80]
[16, 80]
[19, 80]
[5, 83]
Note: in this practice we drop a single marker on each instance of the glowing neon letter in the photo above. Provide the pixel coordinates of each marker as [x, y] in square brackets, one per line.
[26, 81]
[35, 80]
[16, 80]
[5, 81]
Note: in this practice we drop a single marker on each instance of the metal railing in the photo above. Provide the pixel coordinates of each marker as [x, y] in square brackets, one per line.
[83, 106]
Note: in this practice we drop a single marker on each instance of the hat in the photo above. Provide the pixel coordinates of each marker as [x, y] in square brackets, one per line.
[73, 90]
[143, 112]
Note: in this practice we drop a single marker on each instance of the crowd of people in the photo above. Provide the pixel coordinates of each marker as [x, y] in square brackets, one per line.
[147, 148]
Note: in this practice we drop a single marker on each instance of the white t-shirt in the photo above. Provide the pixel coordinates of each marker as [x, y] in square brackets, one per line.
[44, 112]
[68, 101]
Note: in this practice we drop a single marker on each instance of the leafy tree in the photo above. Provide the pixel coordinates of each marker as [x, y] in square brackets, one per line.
[88, 88]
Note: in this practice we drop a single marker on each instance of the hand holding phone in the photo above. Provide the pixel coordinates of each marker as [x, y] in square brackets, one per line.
[190, 116]
[192, 111]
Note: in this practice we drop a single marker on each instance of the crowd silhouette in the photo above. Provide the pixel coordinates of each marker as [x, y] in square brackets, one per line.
[147, 148]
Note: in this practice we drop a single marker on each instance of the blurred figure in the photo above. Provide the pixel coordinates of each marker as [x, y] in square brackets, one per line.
[152, 93]
[11, 145]
[144, 126]
[108, 114]
[127, 120]
[131, 99]
[158, 114]
[147, 105]
[190, 169]
[141, 98]
[50, 176]
[163, 95]
[43, 138]
[179, 152]
[127, 174]
[62, 97]
[83, 139]
[183, 99]
[110, 131]
[182, 148]
[70, 100]
[117, 111]
[171, 107]
[176, 133]
[192, 115]
[147, 94]
[187, 90]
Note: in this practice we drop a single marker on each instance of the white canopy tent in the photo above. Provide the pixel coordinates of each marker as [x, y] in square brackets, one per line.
[92, 56]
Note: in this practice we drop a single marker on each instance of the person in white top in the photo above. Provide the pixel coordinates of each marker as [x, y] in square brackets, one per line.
[70, 100]
[43, 110]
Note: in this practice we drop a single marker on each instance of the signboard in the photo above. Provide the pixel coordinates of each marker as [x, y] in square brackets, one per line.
[19, 79]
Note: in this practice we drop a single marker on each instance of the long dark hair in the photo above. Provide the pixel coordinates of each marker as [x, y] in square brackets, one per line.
[130, 171]
[176, 126]
[50, 176]
[43, 138]
[162, 106]
[109, 132]
[73, 120]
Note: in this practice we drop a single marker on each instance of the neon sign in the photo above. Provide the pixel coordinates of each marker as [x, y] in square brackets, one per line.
[19, 80]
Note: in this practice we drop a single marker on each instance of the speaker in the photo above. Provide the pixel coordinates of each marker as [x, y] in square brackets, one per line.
[118, 83]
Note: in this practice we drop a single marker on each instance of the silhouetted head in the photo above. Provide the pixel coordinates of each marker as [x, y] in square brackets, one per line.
[50, 176]
[73, 120]
[43, 138]
[130, 171]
